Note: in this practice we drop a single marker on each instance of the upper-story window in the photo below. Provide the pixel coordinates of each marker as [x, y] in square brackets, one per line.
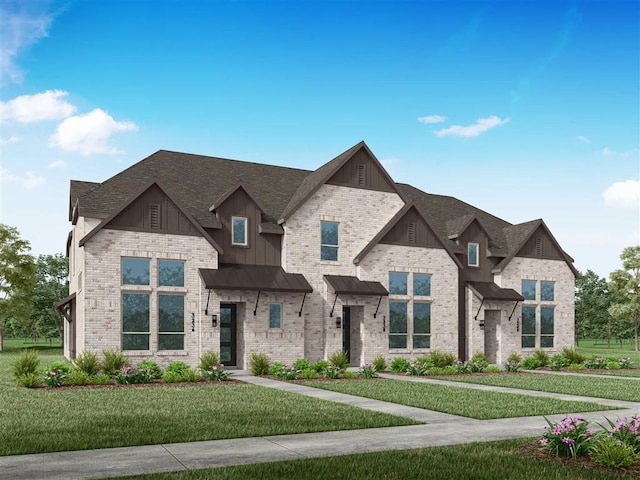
[135, 271]
[529, 289]
[398, 283]
[239, 235]
[422, 284]
[547, 291]
[329, 241]
[473, 259]
[170, 273]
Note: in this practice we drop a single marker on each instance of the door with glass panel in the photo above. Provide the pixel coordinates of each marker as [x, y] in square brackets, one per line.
[228, 334]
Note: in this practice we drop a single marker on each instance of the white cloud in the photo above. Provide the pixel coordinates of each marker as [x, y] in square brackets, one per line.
[481, 126]
[48, 105]
[29, 180]
[583, 139]
[607, 152]
[89, 133]
[623, 195]
[432, 119]
[58, 164]
[22, 24]
[7, 141]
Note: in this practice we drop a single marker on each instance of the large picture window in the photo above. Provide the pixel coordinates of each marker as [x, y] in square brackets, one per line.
[171, 273]
[135, 321]
[421, 325]
[329, 241]
[528, 327]
[135, 271]
[170, 322]
[239, 231]
[397, 325]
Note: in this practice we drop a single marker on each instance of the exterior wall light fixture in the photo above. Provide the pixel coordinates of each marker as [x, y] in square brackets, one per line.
[338, 322]
[214, 320]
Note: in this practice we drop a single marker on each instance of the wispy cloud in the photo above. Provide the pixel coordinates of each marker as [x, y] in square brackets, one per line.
[48, 105]
[432, 119]
[623, 195]
[482, 125]
[22, 24]
[583, 139]
[57, 164]
[29, 180]
[7, 141]
[607, 152]
[89, 133]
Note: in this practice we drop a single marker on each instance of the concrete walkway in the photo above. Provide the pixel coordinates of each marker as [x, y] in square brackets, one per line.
[441, 429]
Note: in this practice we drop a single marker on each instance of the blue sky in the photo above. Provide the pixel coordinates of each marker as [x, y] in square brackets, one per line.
[524, 109]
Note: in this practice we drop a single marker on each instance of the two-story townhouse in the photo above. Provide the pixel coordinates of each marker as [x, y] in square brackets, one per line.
[182, 253]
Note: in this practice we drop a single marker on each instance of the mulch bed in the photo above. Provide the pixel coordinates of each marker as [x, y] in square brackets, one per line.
[156, 384]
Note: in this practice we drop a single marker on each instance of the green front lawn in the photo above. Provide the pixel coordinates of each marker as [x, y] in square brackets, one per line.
[615, 349]
[465, 402]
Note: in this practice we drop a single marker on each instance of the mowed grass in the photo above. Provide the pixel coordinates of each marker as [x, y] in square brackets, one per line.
[576, 384]
[40, 420]
[478, 461]
[615, 349]
[481, 405]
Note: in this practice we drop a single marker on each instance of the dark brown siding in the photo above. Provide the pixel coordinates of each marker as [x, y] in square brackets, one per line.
[138, 216]
[423, 235]
[540, 245]
[475, 234]
[263, 249]
[352, 174]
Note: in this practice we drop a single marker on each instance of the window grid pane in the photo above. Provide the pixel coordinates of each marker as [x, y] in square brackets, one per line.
[135, 321]
[421, 318]
[397, 283]
[422, 284]
[546, 320]
[547, 291]
[529, 289]
[171, 273]
[135, 271]
[397, 325]
[528, 320]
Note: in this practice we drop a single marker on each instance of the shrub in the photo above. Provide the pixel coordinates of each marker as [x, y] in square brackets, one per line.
[87, 362]
[350, 375]
[493, 369]
[531, 363]
[450, 370]
[29, 380]
[287, 372]
[513, 365]
[27, 363]
[177, 367]
[572, 355]
[515, 357]
[463, 367]
[101, 379]
[259, 363]
[54, 378]
[442, 359]
[78, 378]
[332, 371]
[417, 368]
[570, 437]
[558, 362]
[575, 367]
[217, 373]
[626, 431]
[309, 374]
[625, 362]
[399, 365]
[209, 359]
[151, 369]
[609, 452]
[276, 369]
[320, 366]
[595, 362]
[190, 374]
[171, 377]
[302, 364]
[379, 363]
[339, 359]
[542, 357]
[479, 362]
[113, 360]
[60, 365]
[128, 376]
[613, 366]
[368, 371]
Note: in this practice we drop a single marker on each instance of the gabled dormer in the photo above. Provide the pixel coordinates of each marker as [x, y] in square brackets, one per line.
[474, 239]
[243, 235]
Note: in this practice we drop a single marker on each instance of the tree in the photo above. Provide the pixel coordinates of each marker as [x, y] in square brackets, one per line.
[593, 299]
[51, 286]
[17, 276]
[626, 283]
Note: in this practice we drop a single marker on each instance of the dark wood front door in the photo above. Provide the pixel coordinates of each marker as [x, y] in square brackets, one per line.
[228, 335]
[346, 331]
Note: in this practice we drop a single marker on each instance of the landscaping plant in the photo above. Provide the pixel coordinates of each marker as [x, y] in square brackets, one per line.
[78, 378]
[302, 364]
[339, 359]
[26, 364]
[380, 363]
[368, 371]
[151, 369]
[442, 359]
[570, 437]
[209, 359]
[113, 360]
[259, 363]
[399, 365]
[542, 356]
[217, 373]
[609, 452]
[87, 362]
[54, 377]
[320, 366]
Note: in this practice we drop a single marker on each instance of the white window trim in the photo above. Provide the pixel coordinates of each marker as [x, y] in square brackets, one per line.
[477, 264]
[337, 246]
[246, 231]
[281, 315]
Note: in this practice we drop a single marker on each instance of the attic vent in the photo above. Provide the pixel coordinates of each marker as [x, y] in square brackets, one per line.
[411, 232]
[539, 246]
[362, 174]
[154, 215]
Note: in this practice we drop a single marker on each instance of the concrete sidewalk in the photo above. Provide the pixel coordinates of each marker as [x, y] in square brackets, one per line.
[441, 429]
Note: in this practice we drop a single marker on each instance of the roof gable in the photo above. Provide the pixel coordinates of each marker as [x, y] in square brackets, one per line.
[231, 192]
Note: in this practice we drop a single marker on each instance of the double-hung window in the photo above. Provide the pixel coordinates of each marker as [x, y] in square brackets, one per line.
[538, 313]
[135, 304]
[329, 241]
[170, 322]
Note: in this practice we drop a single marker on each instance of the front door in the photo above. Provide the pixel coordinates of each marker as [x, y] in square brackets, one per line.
[228, 335]
[346, 332]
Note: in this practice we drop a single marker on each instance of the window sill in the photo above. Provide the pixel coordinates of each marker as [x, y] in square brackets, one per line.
[137, 353]
[168, 353]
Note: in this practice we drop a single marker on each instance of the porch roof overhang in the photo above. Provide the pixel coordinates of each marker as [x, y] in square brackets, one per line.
[255, 278]
[64, 306]
[491, 291]
[348, 285]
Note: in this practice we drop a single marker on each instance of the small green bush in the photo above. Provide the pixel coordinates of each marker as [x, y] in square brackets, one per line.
[558, 362]
[29, 380]
[572, 355]
[542, 356]
[101, 379]
[595, 362]
[400, 365]
[216, 373]
[442, 359]
[613, 366]
[320, 366]
[259, 363]
[191, 375]
[277, 369]
[150, 369]
[78, 378]
[575, 367]
[379, 363]
[348, 374]
[171, 377]
[309, 374]
[177, 367]
[531, 363]
[27, 363]
[87, 362]
[64, 367]
[302, 364]
[339, 359]
[493, 369]
[608, 452]
[208, 360]
[54, 378]
[113, 360]
[515, 357]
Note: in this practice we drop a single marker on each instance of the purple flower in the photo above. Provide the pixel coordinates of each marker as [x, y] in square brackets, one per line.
[568, 441]
[544, 441]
